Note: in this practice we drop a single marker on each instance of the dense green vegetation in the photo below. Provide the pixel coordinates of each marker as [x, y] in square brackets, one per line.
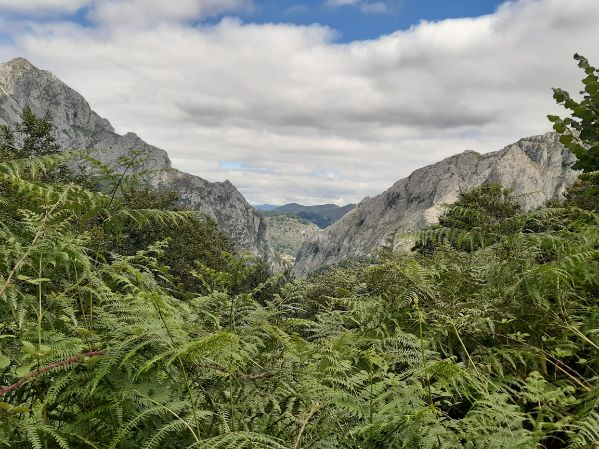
[485, 336]
[580, 132]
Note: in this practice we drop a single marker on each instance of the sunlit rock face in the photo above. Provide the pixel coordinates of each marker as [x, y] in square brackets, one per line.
[79, 127]
[226, 205]
[537, 169]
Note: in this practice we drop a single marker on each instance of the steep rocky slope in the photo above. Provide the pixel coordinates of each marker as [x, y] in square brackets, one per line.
[287, 234]
[79, 127]
[537, 168]
[225, 204]
[22, 85]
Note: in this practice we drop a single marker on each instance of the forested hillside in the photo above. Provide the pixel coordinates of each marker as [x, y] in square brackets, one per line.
[128, 322]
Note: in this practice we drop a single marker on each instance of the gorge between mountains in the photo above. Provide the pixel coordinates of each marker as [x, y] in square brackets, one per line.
[536, 168]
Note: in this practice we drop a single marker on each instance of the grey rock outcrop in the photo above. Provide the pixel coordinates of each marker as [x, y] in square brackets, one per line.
[537, 169]
[79, 127]
[226, 205]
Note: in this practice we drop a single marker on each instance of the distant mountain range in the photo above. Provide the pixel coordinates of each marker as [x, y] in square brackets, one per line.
[265, 207]
[323, 215]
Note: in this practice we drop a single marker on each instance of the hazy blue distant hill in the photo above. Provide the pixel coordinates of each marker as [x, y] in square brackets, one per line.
[323, 215]
[265, 207]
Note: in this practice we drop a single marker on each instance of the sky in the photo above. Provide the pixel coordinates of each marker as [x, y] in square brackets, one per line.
[318, 101]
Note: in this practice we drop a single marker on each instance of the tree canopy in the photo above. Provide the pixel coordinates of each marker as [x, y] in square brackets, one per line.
[580, 131]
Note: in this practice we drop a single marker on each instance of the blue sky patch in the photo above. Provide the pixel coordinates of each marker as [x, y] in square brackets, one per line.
[362, 19]
[352, 19]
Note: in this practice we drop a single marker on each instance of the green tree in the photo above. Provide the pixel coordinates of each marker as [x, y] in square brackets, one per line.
[481, 208]
[480, 217]
[580, 132]
[32, 136]
[583, 194]
[197, 240]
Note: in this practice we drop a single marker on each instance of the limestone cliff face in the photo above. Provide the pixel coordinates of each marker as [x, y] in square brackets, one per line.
[22, 85]
[227, 206]
[79, 127]
[536, 168]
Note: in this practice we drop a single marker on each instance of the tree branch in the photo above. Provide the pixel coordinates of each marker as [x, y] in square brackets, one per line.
[44, 369]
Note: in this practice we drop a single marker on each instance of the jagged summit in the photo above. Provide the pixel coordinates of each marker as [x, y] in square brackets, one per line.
[79, 127]
[538, 168]
[20, 63]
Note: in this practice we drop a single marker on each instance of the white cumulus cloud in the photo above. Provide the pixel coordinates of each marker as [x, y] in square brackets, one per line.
[364, 6]
[128, 12]
[337, 3]
[42, 6]
[149, 12]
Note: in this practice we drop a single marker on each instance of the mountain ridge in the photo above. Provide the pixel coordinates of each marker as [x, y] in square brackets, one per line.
[79, 127]
[322, 215]
[537, 168]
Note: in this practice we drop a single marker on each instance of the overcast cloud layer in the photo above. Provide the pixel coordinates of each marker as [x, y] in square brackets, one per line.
[285, 112]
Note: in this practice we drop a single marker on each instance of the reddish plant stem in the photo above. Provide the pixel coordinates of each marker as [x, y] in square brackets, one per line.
[44, 369]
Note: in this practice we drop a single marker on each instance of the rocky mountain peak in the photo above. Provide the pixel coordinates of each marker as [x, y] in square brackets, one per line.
[537, 168]
[19, 65]
[79, 127]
